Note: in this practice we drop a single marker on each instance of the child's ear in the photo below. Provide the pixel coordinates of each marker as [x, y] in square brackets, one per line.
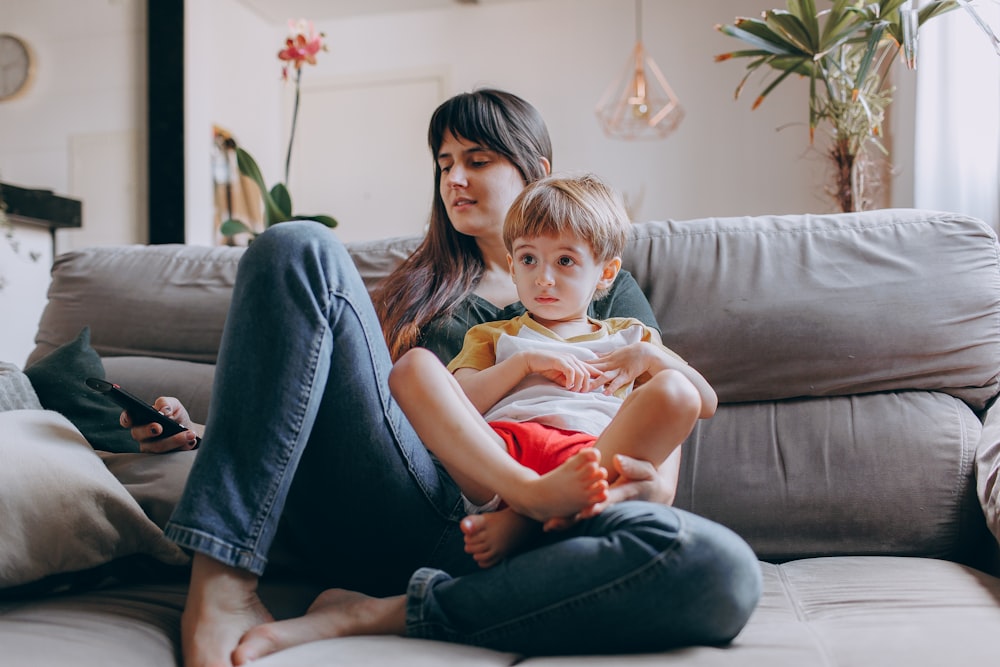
[510, 265]
[611, 269]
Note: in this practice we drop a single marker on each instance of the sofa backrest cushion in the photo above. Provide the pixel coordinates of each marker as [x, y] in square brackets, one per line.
[766, 307]
[164, 301]
[156, 300]
[775, 307]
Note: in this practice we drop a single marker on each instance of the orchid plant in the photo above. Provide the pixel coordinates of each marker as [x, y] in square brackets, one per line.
[301, 47]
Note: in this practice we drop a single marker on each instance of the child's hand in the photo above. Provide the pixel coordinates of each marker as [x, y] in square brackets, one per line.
[622, 366]
[565, 370]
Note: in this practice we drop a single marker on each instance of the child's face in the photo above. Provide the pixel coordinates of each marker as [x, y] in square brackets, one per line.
[556, 276]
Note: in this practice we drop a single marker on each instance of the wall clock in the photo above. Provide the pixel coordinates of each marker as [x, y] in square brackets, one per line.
[16, 65]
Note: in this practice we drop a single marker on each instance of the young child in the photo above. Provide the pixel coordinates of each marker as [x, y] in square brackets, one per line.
[535, 403]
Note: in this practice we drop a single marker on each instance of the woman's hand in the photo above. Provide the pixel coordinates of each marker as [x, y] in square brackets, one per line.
[641, 480]
[637, 480]
[147, 435]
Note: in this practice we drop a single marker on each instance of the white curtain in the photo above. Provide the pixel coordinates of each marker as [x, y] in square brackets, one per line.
[957, 143]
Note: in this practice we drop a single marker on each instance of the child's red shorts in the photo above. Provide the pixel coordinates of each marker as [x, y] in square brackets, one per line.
[540, 447]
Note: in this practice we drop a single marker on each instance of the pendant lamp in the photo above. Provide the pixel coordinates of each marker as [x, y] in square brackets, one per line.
[640, 104]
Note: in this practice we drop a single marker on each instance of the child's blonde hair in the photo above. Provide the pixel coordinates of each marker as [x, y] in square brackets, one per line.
[580, 205]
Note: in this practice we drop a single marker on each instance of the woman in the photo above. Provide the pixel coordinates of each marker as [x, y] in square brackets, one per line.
[304, 441]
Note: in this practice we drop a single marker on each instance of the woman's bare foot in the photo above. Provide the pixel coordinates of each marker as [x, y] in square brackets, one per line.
[222, 604]
[576, 485]
[334, 613]
[490, 538]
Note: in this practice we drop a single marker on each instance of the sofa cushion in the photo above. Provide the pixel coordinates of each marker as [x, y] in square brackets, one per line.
[777, 307]
[150, 377]
[155, 481]
[188, 287]
[158, 300]
[829, 611]
[62, 510]
[862, 611]
[884, 474]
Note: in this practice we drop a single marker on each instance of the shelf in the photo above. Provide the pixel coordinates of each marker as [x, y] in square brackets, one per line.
[41, 207]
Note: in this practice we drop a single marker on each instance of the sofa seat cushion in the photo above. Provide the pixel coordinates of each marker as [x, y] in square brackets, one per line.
[873, 611]
[835, 612]
[848, 612]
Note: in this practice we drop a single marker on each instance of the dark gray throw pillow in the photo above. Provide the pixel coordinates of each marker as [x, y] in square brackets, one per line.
[59, 379]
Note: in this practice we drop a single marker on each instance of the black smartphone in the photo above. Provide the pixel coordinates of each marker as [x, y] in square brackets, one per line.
[138, 410]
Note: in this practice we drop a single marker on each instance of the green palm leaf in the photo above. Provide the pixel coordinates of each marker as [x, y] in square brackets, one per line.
[874, 39]
[793, 30]
[805, 11]
[757, 34]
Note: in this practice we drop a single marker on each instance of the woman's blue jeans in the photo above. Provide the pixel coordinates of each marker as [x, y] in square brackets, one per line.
[304, 441]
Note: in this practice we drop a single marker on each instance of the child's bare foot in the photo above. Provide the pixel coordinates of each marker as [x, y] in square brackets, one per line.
[577, 484]
[222, 604]
[334, 613]
[490, 538]
[558, 523]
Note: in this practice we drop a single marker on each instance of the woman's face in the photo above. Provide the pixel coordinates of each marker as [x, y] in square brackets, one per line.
[478, 185]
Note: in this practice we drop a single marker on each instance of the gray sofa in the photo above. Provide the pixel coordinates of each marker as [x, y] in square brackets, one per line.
[856, 357]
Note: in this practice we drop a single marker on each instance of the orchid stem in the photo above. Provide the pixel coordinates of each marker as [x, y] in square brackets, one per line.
[295, 118]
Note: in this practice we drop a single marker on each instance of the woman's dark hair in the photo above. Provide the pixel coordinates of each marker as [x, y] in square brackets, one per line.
[447, 265]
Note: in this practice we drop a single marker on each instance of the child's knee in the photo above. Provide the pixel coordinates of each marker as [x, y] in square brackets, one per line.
[410, 367]
[676, 392]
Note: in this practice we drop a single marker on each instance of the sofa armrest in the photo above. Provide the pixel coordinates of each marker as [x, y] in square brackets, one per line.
[988, 481]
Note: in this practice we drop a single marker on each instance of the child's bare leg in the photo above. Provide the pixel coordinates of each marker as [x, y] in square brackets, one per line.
[447, 422]
[653, 421]
[475, 456]
[222, 604]
[489, 538]
[334, 613]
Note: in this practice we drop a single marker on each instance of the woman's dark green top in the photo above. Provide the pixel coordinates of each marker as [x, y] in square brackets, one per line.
[444, 335]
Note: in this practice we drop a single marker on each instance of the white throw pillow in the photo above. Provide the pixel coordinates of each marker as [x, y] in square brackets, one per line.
[16, 392]
[61, 510]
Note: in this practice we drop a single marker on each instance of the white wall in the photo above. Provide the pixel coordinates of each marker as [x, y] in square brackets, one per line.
[233, 82]
[80, 131]
[561, 55]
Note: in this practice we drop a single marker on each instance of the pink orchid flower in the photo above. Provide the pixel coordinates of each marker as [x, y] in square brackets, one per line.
[301, 45]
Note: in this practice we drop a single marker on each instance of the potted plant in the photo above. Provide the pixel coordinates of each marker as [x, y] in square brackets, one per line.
[846, 51]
